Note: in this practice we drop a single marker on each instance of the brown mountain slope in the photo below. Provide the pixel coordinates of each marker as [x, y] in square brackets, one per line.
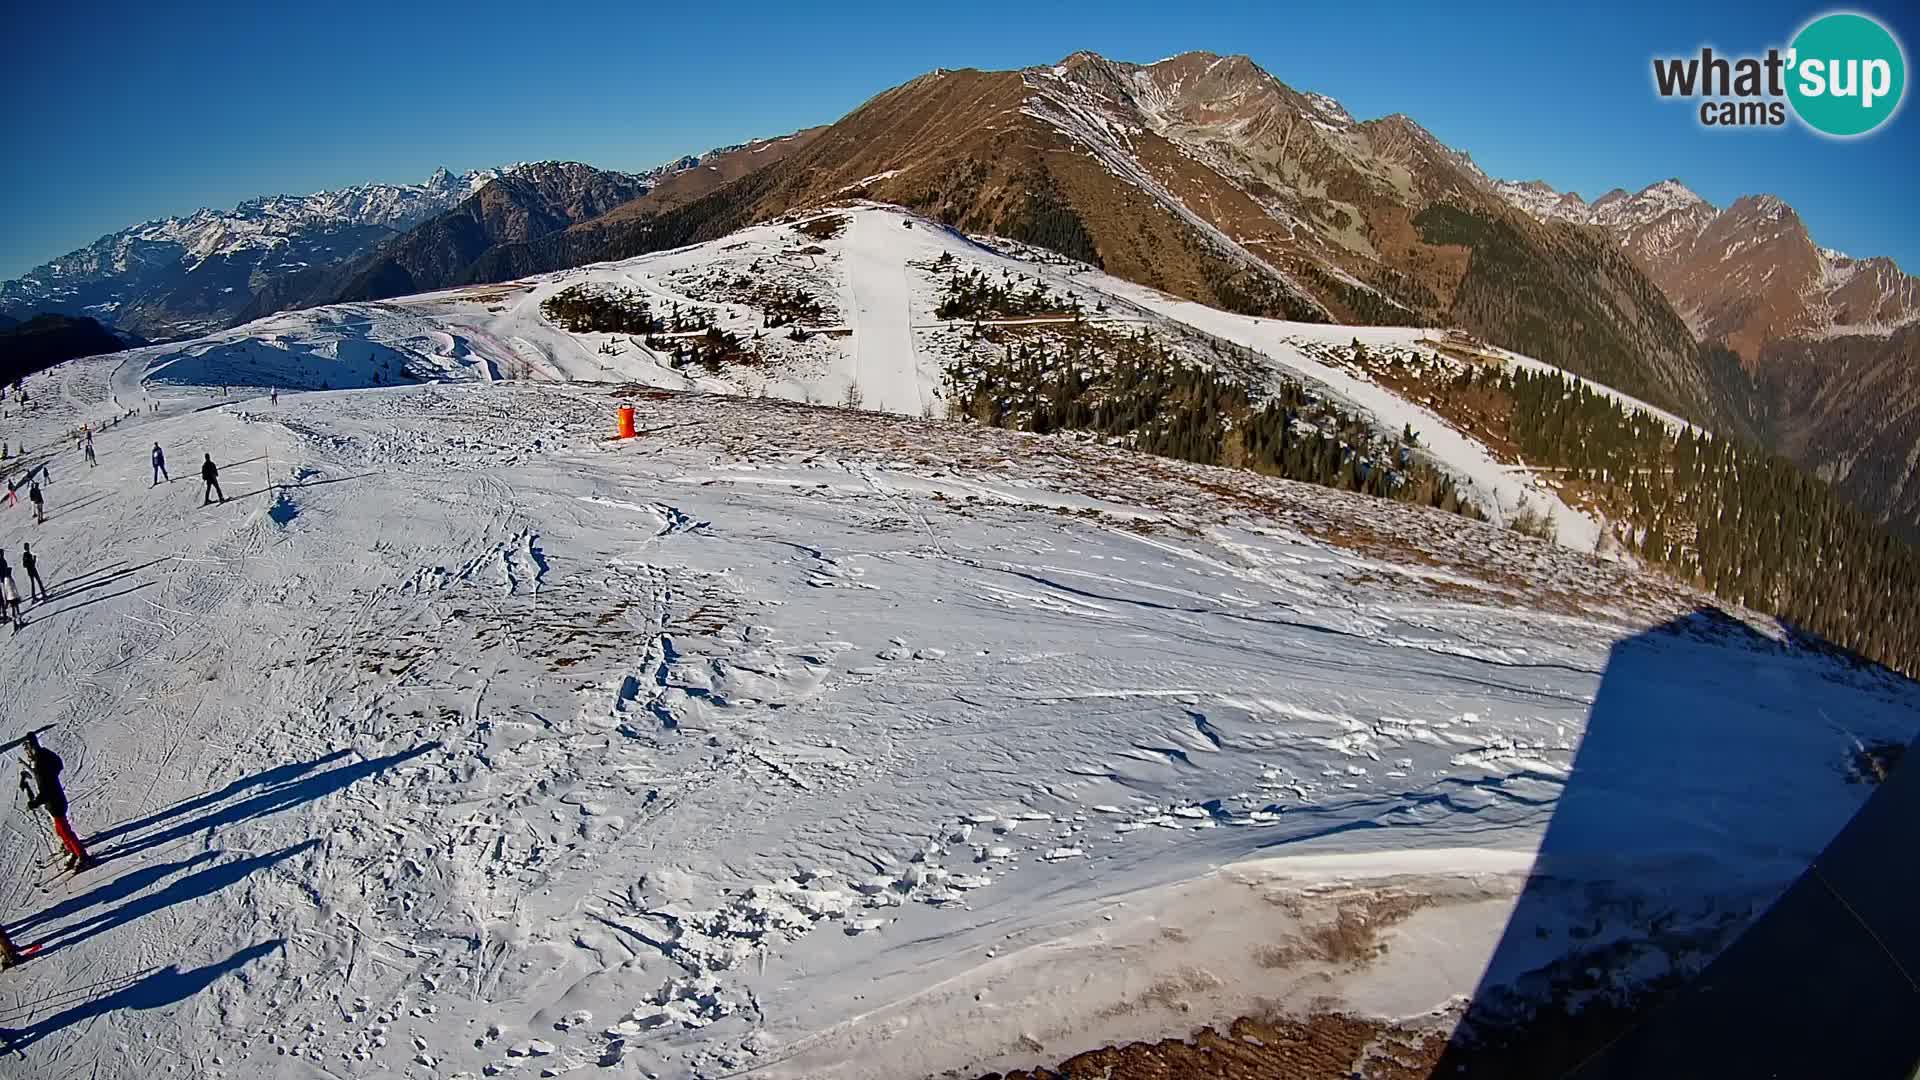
[530, 202]
[1753, 275]
[1845, 407]
[1743, 276]
[1820, 359]
[966, 147]
[1747, 277]
[1208, 178]
[710, 171]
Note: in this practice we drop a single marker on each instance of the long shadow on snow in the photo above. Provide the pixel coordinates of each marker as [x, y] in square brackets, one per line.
[155, 989]
[120, 888]
[298, 486]
[182, 890]
[1639, 836]
[270, 801]
[75, 507]
[39, 615]
[272, 778]
[75, 584]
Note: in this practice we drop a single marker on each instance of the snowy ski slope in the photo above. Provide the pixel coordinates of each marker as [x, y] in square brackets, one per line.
[798, 741]
[882, 345]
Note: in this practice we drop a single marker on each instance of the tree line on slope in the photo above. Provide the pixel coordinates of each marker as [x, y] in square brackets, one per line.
[1741, 523]
[687, 335]
[975, 294]
[584, 309]
[1539, 298]
[1130, 387]
[46, 340]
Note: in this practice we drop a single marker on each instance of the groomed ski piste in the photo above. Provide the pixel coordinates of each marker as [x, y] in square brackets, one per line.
[794, 740]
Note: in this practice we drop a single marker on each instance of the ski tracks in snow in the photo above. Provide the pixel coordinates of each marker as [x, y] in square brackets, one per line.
[524, 753]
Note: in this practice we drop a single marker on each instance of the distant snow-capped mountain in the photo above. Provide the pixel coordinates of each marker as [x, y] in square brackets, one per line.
[1826, 344]
[180, 276]
[1744, 275]
[176, 276]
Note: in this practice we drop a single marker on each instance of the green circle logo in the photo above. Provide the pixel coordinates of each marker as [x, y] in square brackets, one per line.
[1848, 74]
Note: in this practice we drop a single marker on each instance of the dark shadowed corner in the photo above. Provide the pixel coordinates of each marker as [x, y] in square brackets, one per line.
[1640, 874]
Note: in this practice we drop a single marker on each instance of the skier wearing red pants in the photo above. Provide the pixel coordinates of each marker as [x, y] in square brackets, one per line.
[46, 791]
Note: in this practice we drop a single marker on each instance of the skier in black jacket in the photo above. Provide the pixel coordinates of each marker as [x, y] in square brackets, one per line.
[211, 474]
[36, 589]
[46, 791]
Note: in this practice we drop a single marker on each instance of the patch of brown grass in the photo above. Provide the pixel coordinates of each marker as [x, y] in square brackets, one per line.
[1350, 939]
[824, 228]
[1328, 1046]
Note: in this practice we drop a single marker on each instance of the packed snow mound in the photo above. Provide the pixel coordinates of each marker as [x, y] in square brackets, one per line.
[346, 362]
[463, 740]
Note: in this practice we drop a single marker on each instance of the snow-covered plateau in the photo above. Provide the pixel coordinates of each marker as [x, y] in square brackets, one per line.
[789, 739]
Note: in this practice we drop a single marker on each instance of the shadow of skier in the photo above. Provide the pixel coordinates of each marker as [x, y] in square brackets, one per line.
[155, 989]
[272, 778]
[271, 801]
[93, 579]
[120, 888]
[205, 882]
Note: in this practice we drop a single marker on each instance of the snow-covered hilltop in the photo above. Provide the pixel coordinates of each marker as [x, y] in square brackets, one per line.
[854, 313]
[796, 740]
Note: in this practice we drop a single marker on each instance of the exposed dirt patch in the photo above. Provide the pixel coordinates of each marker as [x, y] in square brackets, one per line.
[1168, 994]
[824, 228]
[1330, 1046]
[1350, 939]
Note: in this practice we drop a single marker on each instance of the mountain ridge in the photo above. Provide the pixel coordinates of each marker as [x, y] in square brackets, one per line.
[1818, 351]
[181, 275]
[1206, 177]
[184, 274]
[1682, 239]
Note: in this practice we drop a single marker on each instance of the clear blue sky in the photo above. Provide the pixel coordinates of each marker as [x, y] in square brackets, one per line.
[116, 112]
